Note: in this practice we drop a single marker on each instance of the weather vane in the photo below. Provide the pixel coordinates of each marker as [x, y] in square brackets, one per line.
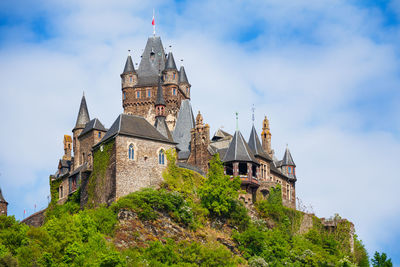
[237, 121]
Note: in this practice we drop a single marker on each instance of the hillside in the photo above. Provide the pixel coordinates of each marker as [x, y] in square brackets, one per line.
[189, 221]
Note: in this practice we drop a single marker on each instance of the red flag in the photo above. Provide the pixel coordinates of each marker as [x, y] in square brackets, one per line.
[153, 21]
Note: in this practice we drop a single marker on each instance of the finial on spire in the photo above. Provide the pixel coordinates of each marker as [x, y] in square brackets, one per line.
[237, 121]
[129, 52]
[83, 93]
[252, 116]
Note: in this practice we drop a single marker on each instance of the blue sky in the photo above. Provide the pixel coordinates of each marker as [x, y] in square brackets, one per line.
[325, 72]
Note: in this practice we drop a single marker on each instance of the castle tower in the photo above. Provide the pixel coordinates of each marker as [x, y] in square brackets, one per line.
[3, 204]
[139, 97]
[129, 79]
[67, 147]
[82, 119]
[266, 137]
[183, 82]
[161, 124]
[288, 166]
[200, 140]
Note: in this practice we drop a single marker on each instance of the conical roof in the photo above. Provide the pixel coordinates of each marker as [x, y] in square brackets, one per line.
[152, 61]
[83, 114]
[162, 127]
[182, 76]
[239, 150]
[287, 159]
[255, 145]
[1, 197]
[129, 65]
[160, 97]
[184, 124]
[170, 65]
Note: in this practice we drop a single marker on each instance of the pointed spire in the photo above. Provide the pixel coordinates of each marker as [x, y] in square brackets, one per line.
[83, 115]
[170, 65]
[239, 150]
[160, 97]
[255, 145]
[182, 76]
[287, 158]
[2, 198]
[129, 65]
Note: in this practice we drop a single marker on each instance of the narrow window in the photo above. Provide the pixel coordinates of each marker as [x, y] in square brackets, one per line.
[289, 170]
[137, 94]
[161, 157]
[174, 76]
[130, 78]
[99, 134]
[148, 93]
[174, 91]
[131, 152]
[124, 95]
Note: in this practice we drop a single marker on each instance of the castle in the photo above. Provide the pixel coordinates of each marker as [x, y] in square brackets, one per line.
[157, 117]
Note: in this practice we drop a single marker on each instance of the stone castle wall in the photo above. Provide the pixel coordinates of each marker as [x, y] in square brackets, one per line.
[144, 170]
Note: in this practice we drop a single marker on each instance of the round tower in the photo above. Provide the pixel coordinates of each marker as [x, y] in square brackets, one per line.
[266, 137]
[129, 79]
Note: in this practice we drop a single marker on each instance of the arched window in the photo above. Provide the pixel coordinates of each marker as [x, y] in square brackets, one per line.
[161, 157]
[131, 152]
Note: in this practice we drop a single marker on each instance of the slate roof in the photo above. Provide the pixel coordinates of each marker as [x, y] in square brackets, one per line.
[83, 114]
[182, 76]
[170, 65]
[135, 126]
[148, 69]
[160, 96]
[162, 127]
[255, 145]
[129, 65]
[190, 167]
[94, 124]
[287, 159]
[220, 134]
[184, 124]
[239, 150]
[1, 197]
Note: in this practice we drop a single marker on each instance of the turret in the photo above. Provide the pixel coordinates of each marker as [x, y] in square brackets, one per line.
[160, 123]
[287, 165]
[67, 147]
[3, 205]
[83, 118]
[266, 138]
[170, 72]
[129, 78]
[183, 82]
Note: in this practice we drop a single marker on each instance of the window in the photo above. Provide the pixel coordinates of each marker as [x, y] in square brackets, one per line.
[60, 191]
[289, 170]
[124, 95]
[187, 90]
[131, 152]
[130, 78]
[174, 76]
[174, 91]
[148, 93]
[161, 157]
[137, 94]
[99, 134]
[288, 191]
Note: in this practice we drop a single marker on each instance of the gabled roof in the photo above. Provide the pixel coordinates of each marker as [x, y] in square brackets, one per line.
[129, 65]
[1, 197]
[83, 114]
[162, 127]
[182, 76]
[184, 124]
[170, 65]
[149, 68]
[94, 124]
[255, 145]
[160, 96]
[287, 159]
[134, 126]
[239, 150]
[220, 134]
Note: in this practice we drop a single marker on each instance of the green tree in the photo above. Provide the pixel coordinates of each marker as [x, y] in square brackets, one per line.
[219, 193]
[381, 260]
